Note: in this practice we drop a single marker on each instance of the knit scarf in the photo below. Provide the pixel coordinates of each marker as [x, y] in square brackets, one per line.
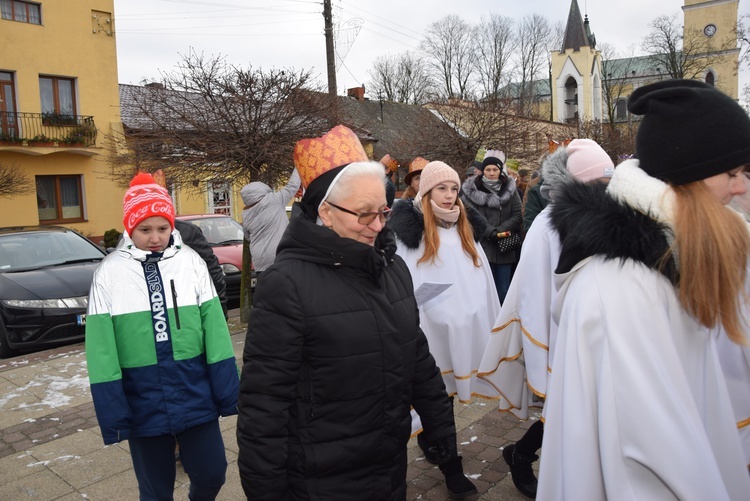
[494, 185]
[446, 217]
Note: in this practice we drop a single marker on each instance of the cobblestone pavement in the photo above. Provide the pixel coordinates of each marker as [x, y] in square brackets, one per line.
[51, 448]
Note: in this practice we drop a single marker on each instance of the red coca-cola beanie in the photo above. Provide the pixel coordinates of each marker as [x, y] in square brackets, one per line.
[145, 199]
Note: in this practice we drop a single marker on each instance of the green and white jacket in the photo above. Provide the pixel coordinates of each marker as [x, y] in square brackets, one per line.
[160, 358]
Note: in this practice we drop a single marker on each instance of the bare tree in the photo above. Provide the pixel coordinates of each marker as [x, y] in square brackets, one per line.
[467, 127]
[403, 78]
[679, 53]
[384, 77]
[496, 41]
[209, 119]
[450, 46]
[535, 37]
[616, 82]
[416, 84]
[13, 181]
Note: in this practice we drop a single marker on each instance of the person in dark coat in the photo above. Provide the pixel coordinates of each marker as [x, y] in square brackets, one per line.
[334, 356]
[194, 238]
[494, 195]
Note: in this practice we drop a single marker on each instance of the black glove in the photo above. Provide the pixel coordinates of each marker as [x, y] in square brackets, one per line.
[446, 449]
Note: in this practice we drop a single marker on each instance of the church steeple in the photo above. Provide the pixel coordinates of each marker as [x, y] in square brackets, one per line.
[576, 35]
[576, 72]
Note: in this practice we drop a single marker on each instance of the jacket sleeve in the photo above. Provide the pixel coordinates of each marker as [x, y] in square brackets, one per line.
[272, 361]
[430, 398]
[194, 238]
[285, 194]
[515, 219]
[534, 205]
[105, 375]
[222, 366]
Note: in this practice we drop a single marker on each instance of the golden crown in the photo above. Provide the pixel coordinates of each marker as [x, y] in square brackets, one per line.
[316, 156]
[390, 163]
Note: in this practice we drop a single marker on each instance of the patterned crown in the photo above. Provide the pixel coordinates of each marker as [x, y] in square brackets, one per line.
[316, 156]
[418, 164]
[390, 163]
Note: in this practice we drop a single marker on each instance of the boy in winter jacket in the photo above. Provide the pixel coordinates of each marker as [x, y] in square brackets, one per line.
[160, 358]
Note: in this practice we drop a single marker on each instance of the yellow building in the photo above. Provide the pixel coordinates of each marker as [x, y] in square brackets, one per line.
[576, 70]
[587, 88]
[58, 104]
[716, 21]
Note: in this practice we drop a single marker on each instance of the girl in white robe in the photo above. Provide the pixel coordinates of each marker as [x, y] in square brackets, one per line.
[436, 240]
[637, 404]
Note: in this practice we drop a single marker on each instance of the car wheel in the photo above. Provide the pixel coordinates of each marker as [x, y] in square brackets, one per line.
[5, 350]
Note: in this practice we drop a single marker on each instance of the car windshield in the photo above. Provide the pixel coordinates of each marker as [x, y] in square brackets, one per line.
[37, 249]
[219, 230]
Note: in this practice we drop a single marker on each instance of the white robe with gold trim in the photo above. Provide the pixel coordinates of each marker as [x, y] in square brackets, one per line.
[638, 406]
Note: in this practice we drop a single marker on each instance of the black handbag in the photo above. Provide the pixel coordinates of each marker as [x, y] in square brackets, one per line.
[509, 243]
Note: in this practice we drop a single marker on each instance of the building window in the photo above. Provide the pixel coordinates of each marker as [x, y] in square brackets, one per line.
[8, 115]
[24, 12]
[219, 198]
[621, 109]
[58, 100]
[710, 78]
[59, 198]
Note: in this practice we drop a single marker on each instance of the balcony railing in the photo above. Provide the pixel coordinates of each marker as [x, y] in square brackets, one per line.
[46, 129]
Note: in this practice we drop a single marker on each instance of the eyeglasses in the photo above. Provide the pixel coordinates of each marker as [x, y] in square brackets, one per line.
[365, 218]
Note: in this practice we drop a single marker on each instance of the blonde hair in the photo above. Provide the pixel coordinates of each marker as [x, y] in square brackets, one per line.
[712, 244]
[432, 238]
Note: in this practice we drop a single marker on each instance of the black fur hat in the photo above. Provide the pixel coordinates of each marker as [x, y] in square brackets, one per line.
[689, 131]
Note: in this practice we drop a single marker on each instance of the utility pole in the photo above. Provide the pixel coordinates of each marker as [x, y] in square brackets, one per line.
[330, 56]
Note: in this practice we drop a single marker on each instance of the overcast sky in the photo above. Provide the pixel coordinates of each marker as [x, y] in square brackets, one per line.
[151, 34]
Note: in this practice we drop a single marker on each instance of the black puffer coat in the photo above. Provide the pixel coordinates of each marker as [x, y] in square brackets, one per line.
[334, 358]
[502, 211]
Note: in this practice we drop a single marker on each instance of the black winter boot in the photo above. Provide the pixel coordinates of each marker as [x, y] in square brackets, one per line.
[520, 470]
[459, 487]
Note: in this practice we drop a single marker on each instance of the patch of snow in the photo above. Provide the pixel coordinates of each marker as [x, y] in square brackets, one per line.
[473, 477]
[473, 439]
[54, 388]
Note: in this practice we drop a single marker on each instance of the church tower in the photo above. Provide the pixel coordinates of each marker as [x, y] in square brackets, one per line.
[576, 72]
[714, 22]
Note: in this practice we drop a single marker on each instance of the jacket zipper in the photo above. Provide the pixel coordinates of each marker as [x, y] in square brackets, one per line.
[174, 302]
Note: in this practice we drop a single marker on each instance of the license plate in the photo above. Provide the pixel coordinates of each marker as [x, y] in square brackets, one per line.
[81, 319]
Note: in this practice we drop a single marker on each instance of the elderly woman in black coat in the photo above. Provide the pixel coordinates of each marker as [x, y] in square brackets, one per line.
[334, 355]
[494, 195]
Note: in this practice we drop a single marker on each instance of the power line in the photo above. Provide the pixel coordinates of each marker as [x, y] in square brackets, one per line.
[266, 23]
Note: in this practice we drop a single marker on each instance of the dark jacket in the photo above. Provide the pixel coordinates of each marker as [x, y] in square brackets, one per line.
[502, 212]
[535, 203]
[193, 237]
[334, 358]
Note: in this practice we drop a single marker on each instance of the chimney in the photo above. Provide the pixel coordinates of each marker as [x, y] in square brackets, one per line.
[357, 93]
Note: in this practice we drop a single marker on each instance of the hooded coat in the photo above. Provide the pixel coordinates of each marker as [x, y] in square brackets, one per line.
[501, 210]
[264, 218]
[333, 360]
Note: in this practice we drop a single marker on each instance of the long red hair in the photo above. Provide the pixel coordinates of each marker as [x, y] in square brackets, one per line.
[432, 238]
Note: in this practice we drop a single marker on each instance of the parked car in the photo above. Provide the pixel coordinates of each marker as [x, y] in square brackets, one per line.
[225, 236]
[45, 276]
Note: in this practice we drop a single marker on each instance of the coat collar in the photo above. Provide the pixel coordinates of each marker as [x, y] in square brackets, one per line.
[628, 220]
[306, 241]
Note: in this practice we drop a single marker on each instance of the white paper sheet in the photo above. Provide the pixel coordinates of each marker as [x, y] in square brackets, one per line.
[428, 291]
